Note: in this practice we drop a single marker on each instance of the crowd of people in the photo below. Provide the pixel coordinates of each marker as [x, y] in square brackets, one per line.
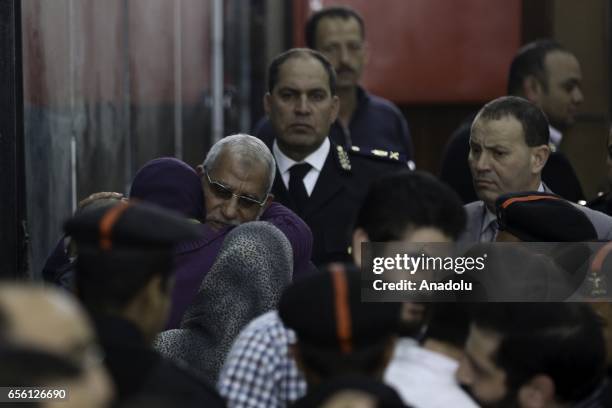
[237, 283]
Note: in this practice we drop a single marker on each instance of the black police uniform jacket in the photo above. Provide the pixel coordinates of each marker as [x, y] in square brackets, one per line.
[336, 198]
[138, 370]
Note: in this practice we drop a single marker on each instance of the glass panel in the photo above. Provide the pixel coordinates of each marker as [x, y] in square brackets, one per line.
[108, 85]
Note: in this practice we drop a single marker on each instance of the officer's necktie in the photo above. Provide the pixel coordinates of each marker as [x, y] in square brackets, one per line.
[297, 190]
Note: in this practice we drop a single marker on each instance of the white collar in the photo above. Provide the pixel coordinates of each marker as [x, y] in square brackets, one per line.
[436, 361]
[316, 159]
[555, 137]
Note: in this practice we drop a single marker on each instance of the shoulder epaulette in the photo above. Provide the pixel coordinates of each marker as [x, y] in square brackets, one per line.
[381, 154]
[343, 158]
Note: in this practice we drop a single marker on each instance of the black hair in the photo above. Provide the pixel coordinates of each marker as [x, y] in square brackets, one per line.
[561, 340]
[409, 199]
[530, 61]
[108, 281]
[344, 12]
[449, 323]
[300, 53]
[368, 360]
[531, 118]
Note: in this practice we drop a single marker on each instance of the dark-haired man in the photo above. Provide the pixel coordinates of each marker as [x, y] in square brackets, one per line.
[320, 181]
[424, 374]
[535, 355]
[366, 123]
[508, 150]
[547, 74]
[408, 207]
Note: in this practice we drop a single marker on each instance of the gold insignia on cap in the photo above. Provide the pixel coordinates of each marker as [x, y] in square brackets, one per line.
[394, 155]
[380, 153]
[345, 163]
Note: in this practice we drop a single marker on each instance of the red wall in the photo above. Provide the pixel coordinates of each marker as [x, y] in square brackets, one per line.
[434, 51]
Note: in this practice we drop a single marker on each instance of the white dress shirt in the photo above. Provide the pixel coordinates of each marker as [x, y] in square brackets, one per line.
[316, 160]
[555, 138]
[425, 379]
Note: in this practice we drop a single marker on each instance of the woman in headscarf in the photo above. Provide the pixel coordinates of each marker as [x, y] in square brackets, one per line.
[253, 267]
[174, 185]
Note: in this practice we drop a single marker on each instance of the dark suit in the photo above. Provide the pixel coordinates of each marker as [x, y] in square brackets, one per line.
[602, 203]
[335, 200]
[558, 172]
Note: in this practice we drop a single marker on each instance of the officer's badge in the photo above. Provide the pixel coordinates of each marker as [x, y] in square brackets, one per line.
[380, 153]
[345, 162]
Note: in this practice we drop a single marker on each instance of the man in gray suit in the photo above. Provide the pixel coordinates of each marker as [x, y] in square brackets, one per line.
[508, 149]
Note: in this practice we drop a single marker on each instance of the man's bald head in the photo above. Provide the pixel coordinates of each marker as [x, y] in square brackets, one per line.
[45, 319]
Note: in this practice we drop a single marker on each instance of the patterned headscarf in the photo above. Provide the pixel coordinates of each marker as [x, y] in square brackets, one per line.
[253, 267]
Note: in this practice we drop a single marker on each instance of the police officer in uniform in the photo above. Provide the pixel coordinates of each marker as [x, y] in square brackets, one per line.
[366, 122]
[321, 181]
[124, 277]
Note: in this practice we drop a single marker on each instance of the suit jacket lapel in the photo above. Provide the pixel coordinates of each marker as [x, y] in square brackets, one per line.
[329, 182]
[281, 194]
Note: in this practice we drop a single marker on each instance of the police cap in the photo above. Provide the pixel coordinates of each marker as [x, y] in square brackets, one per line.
[325, 311]
[543, 217]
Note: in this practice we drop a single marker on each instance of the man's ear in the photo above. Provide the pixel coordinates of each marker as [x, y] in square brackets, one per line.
[532, 89]
[366, 53]
[359, 236]
[335, 109]
[539, 157]
[200, 170]
[269, 200]
[539, 392]
[267, 102]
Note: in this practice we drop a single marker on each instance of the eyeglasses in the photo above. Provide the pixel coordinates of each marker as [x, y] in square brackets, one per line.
[224, 193]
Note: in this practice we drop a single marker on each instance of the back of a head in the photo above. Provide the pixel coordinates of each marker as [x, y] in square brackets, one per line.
[404, 200]
[343, 12]
[121, 248]
[351, 391]
[172, 184]
[43, 318]
[47, 341]
[449, 323]
[338, 334]
[532, 119]
[561, 340]
[529, 61]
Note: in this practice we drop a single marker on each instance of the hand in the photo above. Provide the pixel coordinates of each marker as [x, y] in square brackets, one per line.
[102, 195]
